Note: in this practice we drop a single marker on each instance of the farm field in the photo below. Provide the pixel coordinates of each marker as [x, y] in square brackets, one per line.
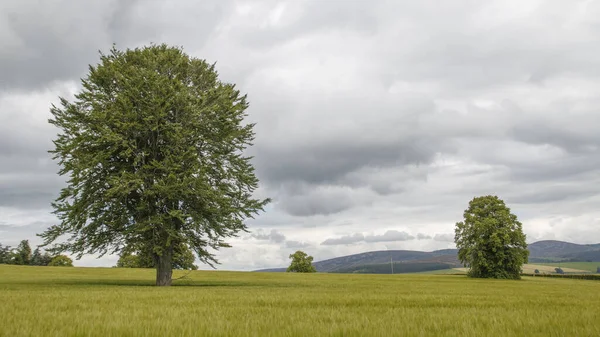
[55, 301]
[574, 268]
[585, 266]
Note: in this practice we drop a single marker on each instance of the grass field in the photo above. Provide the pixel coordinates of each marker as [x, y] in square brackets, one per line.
[587, 266]
[55, 301]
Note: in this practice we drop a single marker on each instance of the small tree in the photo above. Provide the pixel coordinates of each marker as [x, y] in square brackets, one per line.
[61, 261]
[129, 261]
[23, 253]
[301, 263]
[39, 259]
[490, 240]
[537, 271]
[5, 254]
[559, 270]
[36, 258]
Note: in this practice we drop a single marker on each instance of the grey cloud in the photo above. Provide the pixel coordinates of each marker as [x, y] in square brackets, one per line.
[13, 234]
[344, 240]
[388, 236]
[352, 125]
[447, 237]
[273, 236]
[308, 17]
[296, 244]
[300, 199]
[43, 46]
[391, 235]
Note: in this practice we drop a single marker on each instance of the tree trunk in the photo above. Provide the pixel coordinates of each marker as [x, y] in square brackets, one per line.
[164, 267]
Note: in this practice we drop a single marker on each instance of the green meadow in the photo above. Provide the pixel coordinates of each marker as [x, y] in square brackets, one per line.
[62, 301]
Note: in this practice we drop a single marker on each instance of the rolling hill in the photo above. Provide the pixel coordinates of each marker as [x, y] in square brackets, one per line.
[408, 261]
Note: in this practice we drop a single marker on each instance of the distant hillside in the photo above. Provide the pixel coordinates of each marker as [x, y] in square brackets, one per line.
[409, 261]
[552, 250]
[399, 268]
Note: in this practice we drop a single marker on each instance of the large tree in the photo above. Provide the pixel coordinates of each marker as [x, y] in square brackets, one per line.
[153, 147]
[490, 240]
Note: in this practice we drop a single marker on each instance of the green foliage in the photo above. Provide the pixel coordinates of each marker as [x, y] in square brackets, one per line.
[559, 270]
[5, 254]
[537, 271]
[153, 150]
[38, 259]
[129, 261]
[22, 255]
[490, 240]
[301, 263]
[183, 258]
[61, 261]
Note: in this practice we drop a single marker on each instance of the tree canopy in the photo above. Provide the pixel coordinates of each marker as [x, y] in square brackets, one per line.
[301, 263]
[490, 240]
[153, 147]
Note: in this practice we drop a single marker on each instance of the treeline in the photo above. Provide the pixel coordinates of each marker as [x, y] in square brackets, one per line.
[595, 277]
[23, 256]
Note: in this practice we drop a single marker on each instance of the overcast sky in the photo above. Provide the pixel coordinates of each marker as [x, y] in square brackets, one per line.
[377, 121]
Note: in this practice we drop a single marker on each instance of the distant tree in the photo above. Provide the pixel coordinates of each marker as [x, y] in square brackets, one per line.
[39, 259]
[301, 263]
[183, 258]
[22, 255]
[129, 261]
[537, 271]
[36, 257]
[559, 270]
[61, 261]
[153, 146]
[490, 240]
[5, 254]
